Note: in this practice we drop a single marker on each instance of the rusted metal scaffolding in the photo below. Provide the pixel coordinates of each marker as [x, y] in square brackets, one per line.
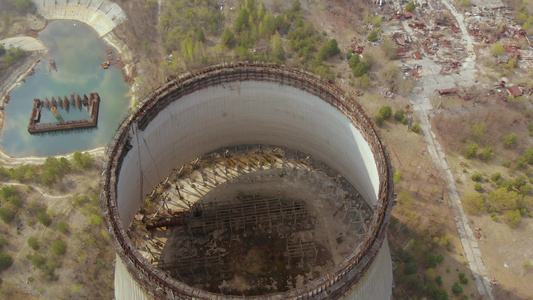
[257, 212]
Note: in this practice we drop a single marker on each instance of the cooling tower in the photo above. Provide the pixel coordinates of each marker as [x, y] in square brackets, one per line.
[226, 106]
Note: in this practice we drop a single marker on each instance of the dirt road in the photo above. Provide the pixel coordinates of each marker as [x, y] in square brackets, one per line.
[428, 86]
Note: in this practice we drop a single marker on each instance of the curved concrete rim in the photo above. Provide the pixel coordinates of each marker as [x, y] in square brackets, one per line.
[343, 276]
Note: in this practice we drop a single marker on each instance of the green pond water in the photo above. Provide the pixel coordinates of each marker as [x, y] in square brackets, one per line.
[78, 53]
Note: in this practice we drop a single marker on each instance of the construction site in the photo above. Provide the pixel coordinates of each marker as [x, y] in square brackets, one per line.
[284, 190]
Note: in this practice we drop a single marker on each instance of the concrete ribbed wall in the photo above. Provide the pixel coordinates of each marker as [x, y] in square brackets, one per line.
[101, 15]
[236, 112]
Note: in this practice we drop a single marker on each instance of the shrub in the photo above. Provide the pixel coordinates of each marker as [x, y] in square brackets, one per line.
[33, 243]
[496, 176]
[431, 274]
[228, 39]
[3, 242]
[410, 6]
[473, 203]
[506, 163]
[512, 217]
[7, 215]
[44, 218]
[37, 260]
[410, 268]
[457, 289]
[478, 187]
[496, 49]
[397, 177]
[477, 177]
[526, 264]
[438, 280]
[416, 128]
[398, 115]
[96, 220]
[440, 258]
[5, 261]
[378, 119]
[486, 154]
[373, 36]
[430, 260]
[509, 141]
[59, 247]
[472, 151]
[462, 278]
[385, 112]
[63, 227]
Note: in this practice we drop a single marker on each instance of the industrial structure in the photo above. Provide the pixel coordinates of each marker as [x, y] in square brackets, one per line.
[247, 125]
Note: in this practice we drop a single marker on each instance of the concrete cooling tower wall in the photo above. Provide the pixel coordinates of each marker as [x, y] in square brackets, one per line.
[237, 105]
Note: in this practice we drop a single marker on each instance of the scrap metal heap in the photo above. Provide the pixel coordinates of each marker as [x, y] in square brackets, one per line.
[250, 220]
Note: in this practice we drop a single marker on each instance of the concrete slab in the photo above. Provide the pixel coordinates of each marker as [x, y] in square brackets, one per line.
[25, 42]
[95, 4]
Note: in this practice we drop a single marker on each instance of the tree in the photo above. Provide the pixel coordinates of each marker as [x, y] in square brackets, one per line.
[496, 49]
[44, 218]
[389, 48]
[416, 128]
[410, 7]
[361, 68]
[33, 243]
[228, 39]
[82, 160]
[37, 260]
[63, 227]
[398, 115]
[462, 278]
[7, 215]
[486, 154]
[512, 217]
[329, 49]
[378, 119]
[23, 5]
[241, 23]
[59, 247]
[430, 260]
[8, 59]
[472, 151]
[277, 48]
[503, 199]
[373, 36]
[385, 112]
[457, 289]
[7, 191]
[478, 131]
[200, 35]
[509, 141]
[5, 261]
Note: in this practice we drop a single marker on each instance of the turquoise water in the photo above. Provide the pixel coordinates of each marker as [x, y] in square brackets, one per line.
[78, 53]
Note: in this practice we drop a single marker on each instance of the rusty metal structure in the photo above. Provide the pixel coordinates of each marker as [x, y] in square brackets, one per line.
[35, 126]
[133, 161]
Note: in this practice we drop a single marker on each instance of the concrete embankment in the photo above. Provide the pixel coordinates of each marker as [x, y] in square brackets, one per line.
[101, 15]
